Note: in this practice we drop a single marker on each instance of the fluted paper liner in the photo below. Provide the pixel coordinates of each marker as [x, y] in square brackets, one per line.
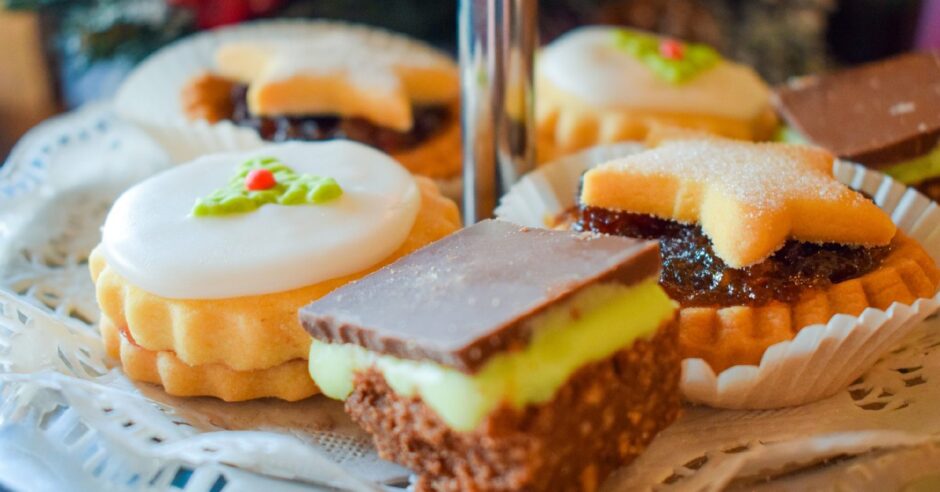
[151, 96]
[821, 359]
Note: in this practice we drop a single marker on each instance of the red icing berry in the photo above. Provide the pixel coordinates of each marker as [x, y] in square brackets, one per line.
[671, 49]
[259, 179]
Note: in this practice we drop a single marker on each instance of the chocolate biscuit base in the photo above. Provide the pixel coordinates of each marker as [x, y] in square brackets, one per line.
[601, 419]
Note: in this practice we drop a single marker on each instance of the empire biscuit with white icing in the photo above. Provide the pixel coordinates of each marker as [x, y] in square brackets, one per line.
[202, 268]
[339, 81]
[600, 85]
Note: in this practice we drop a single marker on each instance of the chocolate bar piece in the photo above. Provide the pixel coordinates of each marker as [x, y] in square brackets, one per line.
[876, 114]
[467, 297]
[505, 358]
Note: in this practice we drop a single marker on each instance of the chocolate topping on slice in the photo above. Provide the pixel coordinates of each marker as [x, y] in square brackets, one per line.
[875, 114]
[467, 297]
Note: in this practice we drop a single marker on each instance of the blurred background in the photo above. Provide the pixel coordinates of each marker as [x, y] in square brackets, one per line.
[59, 54]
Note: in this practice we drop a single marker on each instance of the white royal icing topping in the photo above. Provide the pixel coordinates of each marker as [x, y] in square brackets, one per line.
[151, 238]
[587, 63]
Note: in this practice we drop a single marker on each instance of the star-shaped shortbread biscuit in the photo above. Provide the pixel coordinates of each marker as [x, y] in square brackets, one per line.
[748, 197]
[341, 70]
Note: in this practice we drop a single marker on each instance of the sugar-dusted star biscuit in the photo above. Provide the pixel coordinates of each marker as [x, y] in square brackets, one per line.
[349, 72]
[758, 241]
[748, 198]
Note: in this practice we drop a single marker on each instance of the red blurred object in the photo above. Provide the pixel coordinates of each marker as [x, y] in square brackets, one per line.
[215, 13]
[671, 49]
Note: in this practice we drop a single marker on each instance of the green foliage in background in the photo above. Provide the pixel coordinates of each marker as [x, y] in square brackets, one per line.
[86, 31]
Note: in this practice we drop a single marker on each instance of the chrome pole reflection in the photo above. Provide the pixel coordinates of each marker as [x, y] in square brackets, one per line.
[497, 44]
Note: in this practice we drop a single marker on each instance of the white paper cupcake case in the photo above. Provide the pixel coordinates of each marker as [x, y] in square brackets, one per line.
[822, 359]
[150, 97]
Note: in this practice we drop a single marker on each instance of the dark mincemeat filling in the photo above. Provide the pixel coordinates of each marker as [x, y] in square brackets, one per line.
[693, 275]
[428, 121]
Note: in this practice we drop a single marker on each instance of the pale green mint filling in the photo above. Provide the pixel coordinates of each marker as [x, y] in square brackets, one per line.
[790, 135]
[609, 318]
[918, 169]
[908, 172]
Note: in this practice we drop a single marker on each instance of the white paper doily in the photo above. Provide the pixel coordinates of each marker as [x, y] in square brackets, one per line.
[58, 394]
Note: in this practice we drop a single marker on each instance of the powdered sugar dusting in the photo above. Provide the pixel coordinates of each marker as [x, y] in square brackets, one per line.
[902, 108]
[749, 198]
[763, 175]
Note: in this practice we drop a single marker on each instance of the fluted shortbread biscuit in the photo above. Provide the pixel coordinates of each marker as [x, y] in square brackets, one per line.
[287, 381]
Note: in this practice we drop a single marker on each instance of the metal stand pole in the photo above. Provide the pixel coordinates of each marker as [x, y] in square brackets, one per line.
[497, 43]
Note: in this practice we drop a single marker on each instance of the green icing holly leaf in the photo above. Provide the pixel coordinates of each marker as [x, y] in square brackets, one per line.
[692, 60]
[289, 188]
